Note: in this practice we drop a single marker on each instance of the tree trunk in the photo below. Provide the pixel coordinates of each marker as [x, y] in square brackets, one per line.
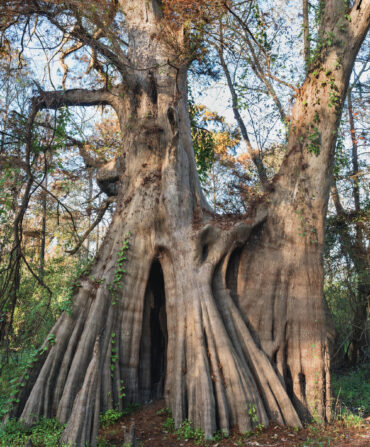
[359, 253]
[221, 315]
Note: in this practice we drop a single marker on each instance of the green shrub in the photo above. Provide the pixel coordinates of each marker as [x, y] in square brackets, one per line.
[45, 433]
[169, 425]
[351, 390]
[187, 431]
[110, 417]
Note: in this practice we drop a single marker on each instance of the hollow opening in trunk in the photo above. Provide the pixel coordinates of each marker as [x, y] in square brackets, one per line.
[232, 274]
[154, 337]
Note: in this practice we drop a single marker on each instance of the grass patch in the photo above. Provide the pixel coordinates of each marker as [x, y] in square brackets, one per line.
[351, 393]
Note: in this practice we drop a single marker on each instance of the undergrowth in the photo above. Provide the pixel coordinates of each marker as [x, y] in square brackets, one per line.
[45, 433]
[351, 394]
[351, 401]
[187, 431]
[110, 417]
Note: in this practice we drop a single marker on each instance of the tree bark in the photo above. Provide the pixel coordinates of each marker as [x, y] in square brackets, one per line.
[306, 34]
[221, 315]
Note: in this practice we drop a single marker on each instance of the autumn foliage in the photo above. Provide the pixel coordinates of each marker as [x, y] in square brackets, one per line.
[193, 11]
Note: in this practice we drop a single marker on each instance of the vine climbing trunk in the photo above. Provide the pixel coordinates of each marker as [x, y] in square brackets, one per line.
[222, 316]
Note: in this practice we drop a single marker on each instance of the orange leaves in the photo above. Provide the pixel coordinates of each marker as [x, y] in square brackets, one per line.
[180, 12]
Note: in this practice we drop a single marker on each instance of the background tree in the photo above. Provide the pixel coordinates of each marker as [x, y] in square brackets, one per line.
[348, 231]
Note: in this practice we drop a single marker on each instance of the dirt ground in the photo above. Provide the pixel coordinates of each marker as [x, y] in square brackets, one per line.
[150, 431]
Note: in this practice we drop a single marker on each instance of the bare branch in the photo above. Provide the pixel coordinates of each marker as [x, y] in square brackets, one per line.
[99, 217]
[256, 159]
[60, 203]
[38, 279]
[257, 68]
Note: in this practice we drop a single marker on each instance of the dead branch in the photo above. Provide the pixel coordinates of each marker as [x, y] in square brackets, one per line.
[99, 217]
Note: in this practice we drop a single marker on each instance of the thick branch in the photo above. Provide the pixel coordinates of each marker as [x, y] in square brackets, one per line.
[75, 97]
[336, 13]
[360, 20]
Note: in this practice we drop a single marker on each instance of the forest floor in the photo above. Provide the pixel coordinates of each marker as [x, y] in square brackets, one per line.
[154, 428]
[351, 413]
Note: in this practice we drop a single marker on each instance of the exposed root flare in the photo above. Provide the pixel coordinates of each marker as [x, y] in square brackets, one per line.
[176, 329]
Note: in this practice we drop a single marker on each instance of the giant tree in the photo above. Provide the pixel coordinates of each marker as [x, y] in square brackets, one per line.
[220, 314]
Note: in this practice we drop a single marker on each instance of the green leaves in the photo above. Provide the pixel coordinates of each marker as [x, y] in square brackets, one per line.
[46, 433]
[313, 140]
[203, 142]
[120, 271]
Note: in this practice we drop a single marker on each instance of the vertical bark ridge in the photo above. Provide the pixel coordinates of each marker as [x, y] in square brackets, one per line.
[131, 313]
[82, 426]
[176, 352]
[274, 396]
[241, 388]
[94, 324]
[223, 408]
[67, 358]
[201, 404]
[298, 329]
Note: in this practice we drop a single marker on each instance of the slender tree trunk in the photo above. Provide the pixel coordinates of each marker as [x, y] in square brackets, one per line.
[43, 221]
[306, 35]
[90, 177]
[221, 315]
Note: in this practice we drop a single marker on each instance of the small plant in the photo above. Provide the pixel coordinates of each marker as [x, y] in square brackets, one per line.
[220, 435]
[187, 431]
[164, 412]
[122, 388]
[252, 413]
[110, 417]
[169, 425]
[19, 380]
